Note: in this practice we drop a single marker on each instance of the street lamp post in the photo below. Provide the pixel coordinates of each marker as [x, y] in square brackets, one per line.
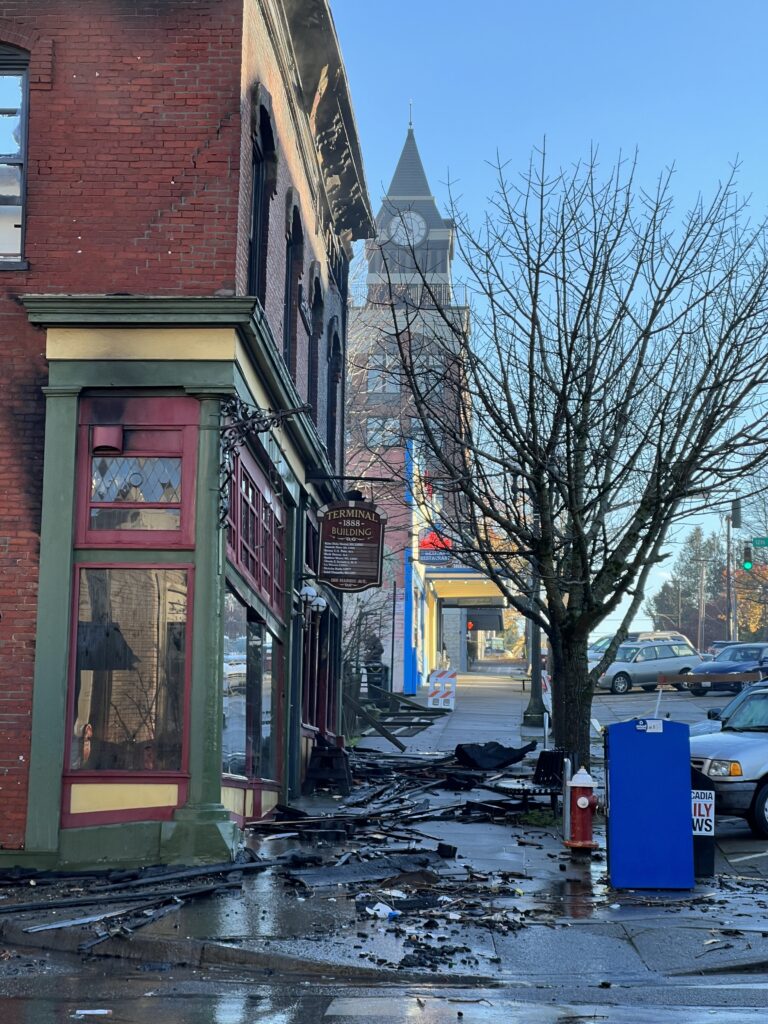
[534, 713]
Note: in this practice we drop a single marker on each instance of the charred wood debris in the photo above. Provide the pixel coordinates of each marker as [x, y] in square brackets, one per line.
[370, 842]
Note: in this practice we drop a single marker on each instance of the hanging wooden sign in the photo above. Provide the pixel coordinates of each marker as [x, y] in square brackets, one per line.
[351, 545]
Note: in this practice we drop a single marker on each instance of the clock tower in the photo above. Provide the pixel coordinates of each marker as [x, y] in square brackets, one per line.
[414, 243]
[409, 293]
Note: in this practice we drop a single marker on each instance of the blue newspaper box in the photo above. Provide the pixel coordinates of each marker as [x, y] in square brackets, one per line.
[650, 840]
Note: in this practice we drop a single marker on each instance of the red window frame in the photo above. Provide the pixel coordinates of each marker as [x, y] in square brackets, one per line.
[83, 776]
[170, 429]
[256, 524]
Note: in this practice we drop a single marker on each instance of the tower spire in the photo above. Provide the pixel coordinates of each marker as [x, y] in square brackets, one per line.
[410, 113]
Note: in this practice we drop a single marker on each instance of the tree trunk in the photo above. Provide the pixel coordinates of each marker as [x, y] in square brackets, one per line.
[572, 696]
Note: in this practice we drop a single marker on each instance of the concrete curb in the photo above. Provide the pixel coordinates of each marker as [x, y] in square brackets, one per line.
[732, 967]
[199, 953]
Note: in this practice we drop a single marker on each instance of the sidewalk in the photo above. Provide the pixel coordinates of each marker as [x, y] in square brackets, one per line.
[513, 907]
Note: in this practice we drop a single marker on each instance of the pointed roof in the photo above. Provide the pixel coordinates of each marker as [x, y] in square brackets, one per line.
[409, 178]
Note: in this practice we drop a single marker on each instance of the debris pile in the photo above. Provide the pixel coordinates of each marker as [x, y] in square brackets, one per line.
[426, 897]
[393, 793]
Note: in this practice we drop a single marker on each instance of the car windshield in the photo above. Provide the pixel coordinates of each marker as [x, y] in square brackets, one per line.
[752, 716]
[740, 653]
[627, 652]
[601, 644]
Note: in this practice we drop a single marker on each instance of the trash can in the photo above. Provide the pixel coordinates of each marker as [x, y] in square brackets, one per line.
[650, 838]
[378, 675]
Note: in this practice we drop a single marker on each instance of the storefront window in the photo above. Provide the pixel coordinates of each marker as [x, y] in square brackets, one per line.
[239, 678]
[130, 670]
[250, 694]
[255, 531]
[268, 752]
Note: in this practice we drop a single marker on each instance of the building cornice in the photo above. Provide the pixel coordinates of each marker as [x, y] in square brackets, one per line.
[328, 106]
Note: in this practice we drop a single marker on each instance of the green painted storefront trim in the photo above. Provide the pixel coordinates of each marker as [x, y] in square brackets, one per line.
[54, 605]
[202, 829]
[133, 310]
[145, 375]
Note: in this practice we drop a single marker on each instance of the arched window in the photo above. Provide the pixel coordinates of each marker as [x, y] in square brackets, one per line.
[294, 259]
[14, 75]
[263, 177]
[313, 368]
[335, 368]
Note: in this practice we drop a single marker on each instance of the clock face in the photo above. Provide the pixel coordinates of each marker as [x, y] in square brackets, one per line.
[407, 228]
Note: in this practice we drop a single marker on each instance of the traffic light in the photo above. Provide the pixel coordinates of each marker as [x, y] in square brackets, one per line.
[746, 559]
[736, 513]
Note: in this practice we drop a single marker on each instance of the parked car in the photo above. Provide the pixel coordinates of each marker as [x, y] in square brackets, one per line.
[716, 717]
[734, 661]
[718, 645]
[735, 761]
[640, 664]
[596, 650]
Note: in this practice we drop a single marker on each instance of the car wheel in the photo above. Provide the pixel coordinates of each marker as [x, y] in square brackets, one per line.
[699, 691]
[758, 813]
[621, 683]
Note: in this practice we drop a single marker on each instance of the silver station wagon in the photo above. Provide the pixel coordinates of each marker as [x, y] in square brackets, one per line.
[640, 664]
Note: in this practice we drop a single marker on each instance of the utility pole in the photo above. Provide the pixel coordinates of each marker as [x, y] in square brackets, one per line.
[728, 580]
[734, 520]
[700, 633]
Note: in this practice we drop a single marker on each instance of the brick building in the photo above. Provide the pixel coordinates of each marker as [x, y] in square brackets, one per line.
[180, 184]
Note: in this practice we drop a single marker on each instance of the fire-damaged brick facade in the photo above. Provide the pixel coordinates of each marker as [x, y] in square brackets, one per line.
[145, 130]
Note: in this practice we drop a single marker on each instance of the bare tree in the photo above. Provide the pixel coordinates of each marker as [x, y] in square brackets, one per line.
[613, 382]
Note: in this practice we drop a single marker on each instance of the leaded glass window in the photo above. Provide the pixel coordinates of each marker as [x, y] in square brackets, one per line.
[120, 483]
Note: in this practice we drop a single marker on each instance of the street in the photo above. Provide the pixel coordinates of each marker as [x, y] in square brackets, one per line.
[586, 952]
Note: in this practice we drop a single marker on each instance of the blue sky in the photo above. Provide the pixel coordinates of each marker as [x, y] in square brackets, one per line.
[683, 82]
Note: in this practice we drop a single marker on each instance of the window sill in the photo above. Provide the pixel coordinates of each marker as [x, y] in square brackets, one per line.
[14, 265]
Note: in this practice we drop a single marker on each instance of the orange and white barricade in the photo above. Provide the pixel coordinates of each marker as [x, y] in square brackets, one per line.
[442, 689]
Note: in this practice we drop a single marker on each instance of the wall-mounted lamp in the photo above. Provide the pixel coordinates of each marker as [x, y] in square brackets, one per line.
[308, 597]
[319, 605]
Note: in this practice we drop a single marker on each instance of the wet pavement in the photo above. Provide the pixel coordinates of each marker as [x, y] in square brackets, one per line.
[185, 999]
[529, 935]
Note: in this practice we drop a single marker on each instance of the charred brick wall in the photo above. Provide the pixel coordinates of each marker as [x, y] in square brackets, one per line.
[132, 182]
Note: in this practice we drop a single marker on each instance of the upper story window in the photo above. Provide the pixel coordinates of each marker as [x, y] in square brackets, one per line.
[137, 472]
[313, 359]
[383, 432]
[383, 379]
[335, 411]
[263, 174]
[294, 260]
[14, 66]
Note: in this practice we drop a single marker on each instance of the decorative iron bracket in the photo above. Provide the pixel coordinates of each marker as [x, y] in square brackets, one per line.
[241, 423]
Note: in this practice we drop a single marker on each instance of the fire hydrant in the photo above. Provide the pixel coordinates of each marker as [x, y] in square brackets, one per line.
[583, 804]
